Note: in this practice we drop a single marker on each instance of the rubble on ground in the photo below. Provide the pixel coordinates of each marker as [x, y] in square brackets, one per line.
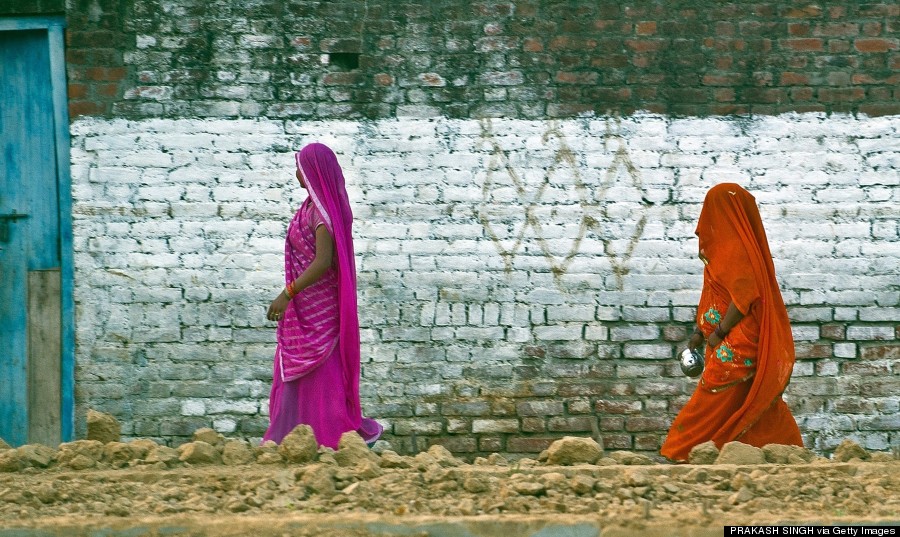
[102, 427]
[209, 447]
[211, 474]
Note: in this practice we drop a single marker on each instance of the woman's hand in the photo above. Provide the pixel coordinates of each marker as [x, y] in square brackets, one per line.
[732, 317]
[277, 307]
[315, 270]
[695, 341]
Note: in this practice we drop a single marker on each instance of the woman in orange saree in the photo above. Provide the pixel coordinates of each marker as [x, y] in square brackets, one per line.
[750, 349]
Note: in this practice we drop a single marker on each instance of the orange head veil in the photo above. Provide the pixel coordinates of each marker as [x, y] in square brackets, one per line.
[734, 243]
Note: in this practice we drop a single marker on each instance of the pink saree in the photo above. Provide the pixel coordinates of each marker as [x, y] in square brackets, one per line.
[317, 360]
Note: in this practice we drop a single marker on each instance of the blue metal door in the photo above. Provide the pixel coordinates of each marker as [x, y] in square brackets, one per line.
[29, 208]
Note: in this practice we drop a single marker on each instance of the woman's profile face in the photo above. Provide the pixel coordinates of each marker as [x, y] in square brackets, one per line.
[301, 178]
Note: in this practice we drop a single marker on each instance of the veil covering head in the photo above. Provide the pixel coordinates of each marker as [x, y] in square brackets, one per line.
[325, 185]
[734, 243]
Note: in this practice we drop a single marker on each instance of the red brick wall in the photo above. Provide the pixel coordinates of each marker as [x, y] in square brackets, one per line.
[527, 59]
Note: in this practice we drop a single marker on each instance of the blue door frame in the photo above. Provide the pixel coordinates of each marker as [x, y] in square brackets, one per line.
[53, 27]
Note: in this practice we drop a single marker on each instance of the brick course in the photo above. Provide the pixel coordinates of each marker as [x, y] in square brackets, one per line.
[527, 59]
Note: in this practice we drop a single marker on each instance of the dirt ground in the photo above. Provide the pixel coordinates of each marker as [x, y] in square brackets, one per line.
[434, 495]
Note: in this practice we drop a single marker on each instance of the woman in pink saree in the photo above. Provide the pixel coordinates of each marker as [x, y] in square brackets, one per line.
[317, 359]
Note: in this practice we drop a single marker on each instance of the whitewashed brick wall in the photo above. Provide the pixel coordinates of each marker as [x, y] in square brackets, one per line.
[518, 280]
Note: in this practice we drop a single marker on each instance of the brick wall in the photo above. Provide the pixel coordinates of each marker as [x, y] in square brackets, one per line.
[519, 279]
[32, 7]
[517, 59]
[526, 178]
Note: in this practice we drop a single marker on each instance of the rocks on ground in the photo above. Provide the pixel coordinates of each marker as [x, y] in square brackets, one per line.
[849, 450]
[574, 450]
[80, 454]
[267, 453]
[352, 480]
[36, 455]
[705, 453]
[638, 495]
[10, 461]
[119, 454]
[299, 446]
[782, 454]
[629, 458]
[353, 451]
[236, 452]
[102, 427]
[740, 453]
[443, 457]
[142, 447]
[163, 456]
[354, 461]
[198, 452]
[210, 436]
[317, 478]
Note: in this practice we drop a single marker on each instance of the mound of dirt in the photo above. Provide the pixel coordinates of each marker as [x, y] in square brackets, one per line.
[87, 481]
[209, 447]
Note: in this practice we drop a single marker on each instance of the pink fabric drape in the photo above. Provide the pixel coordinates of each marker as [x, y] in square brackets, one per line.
[318, 400]
[317, 361]
[325, 183]
[309, 329]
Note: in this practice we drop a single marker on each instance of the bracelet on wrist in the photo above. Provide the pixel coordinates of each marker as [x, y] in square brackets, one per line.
[289, 290]
[719, 332]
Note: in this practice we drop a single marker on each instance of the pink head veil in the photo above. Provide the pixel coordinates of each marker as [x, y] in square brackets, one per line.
[325, 184]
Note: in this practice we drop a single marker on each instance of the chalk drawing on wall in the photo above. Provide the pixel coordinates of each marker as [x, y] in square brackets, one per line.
[621, 164]
[514, 202]
[558, 203]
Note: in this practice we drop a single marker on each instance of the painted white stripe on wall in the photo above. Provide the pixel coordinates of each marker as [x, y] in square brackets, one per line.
[474, 240]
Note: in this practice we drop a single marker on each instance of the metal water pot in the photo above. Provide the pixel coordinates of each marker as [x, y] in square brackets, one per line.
[691, 362]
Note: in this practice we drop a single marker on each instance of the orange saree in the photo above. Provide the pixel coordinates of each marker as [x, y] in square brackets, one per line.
[738, 396]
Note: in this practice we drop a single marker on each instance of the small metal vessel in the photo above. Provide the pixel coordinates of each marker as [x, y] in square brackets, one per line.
[691, 362]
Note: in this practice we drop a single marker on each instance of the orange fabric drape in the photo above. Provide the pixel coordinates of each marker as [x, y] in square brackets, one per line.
[738, 399]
